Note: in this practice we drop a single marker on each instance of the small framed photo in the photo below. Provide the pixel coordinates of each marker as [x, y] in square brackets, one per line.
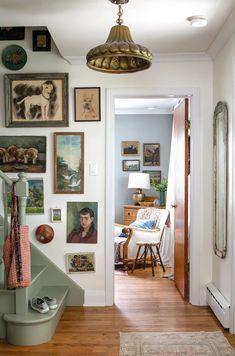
[151, 154]
[56, 215]
[80, 262]
[41, 41]
[157, 175]
[130, 148]
[87, 104]
[131, 165]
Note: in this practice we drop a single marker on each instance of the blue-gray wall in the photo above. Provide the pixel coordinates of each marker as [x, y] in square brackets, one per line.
[145, 129]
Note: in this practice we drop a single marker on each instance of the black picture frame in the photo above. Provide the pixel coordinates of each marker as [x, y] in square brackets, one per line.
[131, 165]
[41, 41]
[12, 33]
[87, 104]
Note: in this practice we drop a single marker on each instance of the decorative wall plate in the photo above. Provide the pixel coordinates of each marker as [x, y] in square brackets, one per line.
[44, 233]
[14, 57]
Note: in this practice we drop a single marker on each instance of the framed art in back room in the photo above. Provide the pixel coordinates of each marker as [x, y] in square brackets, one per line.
[36, 100]
[87, 104]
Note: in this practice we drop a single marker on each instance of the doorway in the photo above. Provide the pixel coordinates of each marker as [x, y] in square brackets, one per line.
[112, 94]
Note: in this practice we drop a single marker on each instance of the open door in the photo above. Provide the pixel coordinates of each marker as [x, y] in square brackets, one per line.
[181, 265]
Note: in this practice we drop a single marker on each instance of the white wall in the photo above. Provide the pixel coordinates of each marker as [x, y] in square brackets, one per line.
[223, 87]
[145, 129]
[178, 75]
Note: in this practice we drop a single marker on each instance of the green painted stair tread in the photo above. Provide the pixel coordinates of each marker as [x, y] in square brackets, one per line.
[36, 272]
[32, 316]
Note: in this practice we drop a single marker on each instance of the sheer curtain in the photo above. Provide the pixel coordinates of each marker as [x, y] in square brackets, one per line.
[167, 245]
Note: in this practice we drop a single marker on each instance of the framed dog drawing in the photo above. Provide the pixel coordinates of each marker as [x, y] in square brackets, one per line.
[36, 100]
[87, 104]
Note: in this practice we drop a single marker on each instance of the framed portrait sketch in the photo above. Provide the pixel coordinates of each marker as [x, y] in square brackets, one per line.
[80, 262]
[69, 162]
[56, 215]
[36, 100]
[35, 200]
[157, 175]
[82, 220]
[130, 148]
[131, 165]
[151, 154]
[41, 41]
[87, 104]
[23, 153]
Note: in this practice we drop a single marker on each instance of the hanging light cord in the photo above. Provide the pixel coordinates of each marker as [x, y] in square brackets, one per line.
[120, 13]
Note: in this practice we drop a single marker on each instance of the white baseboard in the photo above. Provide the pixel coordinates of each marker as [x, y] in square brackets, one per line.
[94, 298]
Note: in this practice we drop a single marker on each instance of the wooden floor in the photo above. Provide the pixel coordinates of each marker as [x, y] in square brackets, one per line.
[143, 303]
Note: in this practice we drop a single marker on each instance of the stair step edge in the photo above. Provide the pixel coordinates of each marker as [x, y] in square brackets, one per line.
[33, 317]
[36, 272]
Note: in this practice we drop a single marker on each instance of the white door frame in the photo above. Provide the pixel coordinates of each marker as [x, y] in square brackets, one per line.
[196, 182]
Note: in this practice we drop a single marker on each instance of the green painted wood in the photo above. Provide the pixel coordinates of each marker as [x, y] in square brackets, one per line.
[54, 276]
[7, 305]
[35, 328]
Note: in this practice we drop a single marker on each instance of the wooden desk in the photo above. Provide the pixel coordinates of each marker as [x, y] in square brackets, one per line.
[130, 212]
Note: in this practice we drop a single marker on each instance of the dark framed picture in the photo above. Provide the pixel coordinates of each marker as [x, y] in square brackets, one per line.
[12, 33]
[35, 200]
[130, 148]
[69, 162]
[23, 153]
[41, 40]
[131, 165]
[82, 222]
[156, 175]
[151, 154]
[87, 104]
[80, 262]
[36, 100]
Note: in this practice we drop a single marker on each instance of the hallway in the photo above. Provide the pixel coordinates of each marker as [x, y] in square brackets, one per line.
[143, 303]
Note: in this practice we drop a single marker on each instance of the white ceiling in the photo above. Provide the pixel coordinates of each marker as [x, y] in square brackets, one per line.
[145, 105]
[78, 25]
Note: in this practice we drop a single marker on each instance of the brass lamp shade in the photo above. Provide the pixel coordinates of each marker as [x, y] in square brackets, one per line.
[119, 54]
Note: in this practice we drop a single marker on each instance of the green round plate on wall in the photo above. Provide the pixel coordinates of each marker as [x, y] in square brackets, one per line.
[14, 57]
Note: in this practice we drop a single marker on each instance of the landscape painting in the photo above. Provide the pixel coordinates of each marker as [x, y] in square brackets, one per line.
[35, 200]
[69, 162]
[23, 154]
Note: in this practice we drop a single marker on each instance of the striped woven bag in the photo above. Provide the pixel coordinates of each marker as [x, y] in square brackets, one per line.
[16, 250]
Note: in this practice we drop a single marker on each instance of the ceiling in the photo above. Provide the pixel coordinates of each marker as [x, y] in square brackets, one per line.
[78, 25]
[145, 106]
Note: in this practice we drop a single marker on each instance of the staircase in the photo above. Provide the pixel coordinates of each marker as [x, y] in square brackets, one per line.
[21, 325]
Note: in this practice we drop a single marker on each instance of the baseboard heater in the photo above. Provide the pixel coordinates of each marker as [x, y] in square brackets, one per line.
[218, 304]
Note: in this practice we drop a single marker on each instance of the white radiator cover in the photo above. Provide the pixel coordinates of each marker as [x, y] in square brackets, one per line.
[218, 304]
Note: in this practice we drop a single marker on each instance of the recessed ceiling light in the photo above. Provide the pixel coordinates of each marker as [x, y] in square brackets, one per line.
[151, 107]
[197, 21]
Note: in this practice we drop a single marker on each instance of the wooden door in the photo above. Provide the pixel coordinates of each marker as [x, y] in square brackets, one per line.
[181, 274]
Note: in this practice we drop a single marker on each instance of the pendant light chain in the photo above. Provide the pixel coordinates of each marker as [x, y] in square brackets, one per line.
[120, 13]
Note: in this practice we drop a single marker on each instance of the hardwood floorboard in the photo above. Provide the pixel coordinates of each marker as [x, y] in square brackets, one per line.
[143, 303]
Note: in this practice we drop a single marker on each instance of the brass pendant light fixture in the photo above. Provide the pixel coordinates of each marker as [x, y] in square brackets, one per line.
[119, 54]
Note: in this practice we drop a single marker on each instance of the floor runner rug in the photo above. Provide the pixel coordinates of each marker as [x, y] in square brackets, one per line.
[175, 344]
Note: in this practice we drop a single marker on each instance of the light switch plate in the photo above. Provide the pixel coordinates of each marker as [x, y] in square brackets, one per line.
[93, 169]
